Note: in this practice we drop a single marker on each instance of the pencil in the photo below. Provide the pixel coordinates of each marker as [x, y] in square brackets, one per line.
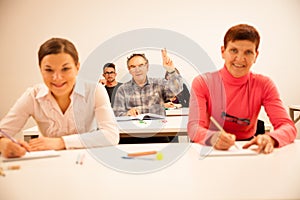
[220, 128]
[12, 139]
[2, 172]
[82, 158]
[141, 153]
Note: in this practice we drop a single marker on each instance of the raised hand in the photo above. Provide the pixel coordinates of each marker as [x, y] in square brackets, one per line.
[167, 62]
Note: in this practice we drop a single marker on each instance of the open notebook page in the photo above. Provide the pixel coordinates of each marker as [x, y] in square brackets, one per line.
[34, 155]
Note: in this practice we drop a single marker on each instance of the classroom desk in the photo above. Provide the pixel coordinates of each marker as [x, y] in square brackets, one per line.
[273, 176]
[171, 126]
[293, 109]
[177, 112]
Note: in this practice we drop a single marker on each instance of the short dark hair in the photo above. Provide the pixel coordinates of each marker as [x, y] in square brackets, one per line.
[56, 46]
[242, 32]
[112, 65]
[135, 55]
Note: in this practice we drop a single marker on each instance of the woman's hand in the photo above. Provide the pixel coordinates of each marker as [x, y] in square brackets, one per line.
[46, 143]
[222, 140]
[264, 142]
[10, 149]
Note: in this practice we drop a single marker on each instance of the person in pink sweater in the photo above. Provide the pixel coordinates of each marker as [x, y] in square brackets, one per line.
[234, 96]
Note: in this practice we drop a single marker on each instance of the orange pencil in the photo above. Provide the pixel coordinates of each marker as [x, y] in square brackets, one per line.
[142, 153]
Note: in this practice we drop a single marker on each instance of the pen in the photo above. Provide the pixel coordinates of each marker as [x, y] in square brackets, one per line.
[78, 158]
[137, 158]
[11, 138]
[82, 158]
[139, 155]
[220, 128]
[12, 167]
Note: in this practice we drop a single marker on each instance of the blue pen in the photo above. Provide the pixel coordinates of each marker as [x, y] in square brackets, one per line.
[11, 138]
[137, 158]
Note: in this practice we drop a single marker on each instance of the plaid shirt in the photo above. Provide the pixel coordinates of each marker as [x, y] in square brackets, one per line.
[149, 98]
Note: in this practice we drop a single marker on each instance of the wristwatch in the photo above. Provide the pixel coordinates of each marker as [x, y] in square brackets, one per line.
[171, 72]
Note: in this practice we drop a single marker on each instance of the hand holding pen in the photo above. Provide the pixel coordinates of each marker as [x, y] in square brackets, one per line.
[222, 140]
[10, 147]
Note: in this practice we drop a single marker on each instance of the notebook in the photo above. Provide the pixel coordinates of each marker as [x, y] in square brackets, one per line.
[34, 155]
[146, 116]
[208, 151]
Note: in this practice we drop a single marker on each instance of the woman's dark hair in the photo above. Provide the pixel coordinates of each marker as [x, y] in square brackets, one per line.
[56, 46]
[242, 32]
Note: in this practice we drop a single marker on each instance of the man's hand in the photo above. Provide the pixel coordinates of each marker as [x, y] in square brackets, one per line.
[167, 62]
[103, 81]
[133, 112]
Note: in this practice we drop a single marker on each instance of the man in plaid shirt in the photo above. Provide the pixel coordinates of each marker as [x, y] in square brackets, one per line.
[143, 94]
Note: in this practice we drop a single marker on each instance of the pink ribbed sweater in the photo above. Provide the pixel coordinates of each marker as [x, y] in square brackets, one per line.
[213, 93]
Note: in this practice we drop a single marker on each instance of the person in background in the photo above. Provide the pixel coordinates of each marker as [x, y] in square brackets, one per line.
[143, 94]
[234, 96]
[183, 98]
[110, 82]
[63, 107]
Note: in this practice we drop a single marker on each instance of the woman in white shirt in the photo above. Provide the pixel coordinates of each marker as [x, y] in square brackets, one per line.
[62, 107]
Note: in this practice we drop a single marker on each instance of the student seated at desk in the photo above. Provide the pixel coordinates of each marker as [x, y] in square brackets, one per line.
[64, 108]
[143, 94]
[182, 99]
[110, 82]
[234, 96]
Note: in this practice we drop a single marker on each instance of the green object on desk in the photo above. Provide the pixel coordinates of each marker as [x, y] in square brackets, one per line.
[142, 121]
[159, 156]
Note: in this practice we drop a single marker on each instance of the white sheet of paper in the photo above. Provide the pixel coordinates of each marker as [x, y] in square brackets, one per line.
[140, 117]
[34, 155]
[233, 151]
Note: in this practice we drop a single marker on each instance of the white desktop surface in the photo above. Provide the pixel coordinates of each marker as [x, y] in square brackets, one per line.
[273, 176]
[177, 112]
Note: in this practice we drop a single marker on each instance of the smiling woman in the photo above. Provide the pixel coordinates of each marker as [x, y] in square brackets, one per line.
[59, 74]
[62, 107]
[234, 96]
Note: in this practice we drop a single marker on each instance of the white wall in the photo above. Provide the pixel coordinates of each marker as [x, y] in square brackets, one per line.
[25, 24]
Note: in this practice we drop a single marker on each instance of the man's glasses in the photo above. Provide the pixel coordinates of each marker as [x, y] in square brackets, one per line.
[240, 121]
[133, 67]
[107, 73]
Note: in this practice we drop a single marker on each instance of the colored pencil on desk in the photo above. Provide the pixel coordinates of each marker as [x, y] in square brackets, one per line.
[141, 153]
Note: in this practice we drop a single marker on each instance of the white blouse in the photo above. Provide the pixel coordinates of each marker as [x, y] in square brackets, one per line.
[89, 114]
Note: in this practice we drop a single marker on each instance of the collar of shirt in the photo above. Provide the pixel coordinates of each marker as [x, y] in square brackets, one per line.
[148, 82]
